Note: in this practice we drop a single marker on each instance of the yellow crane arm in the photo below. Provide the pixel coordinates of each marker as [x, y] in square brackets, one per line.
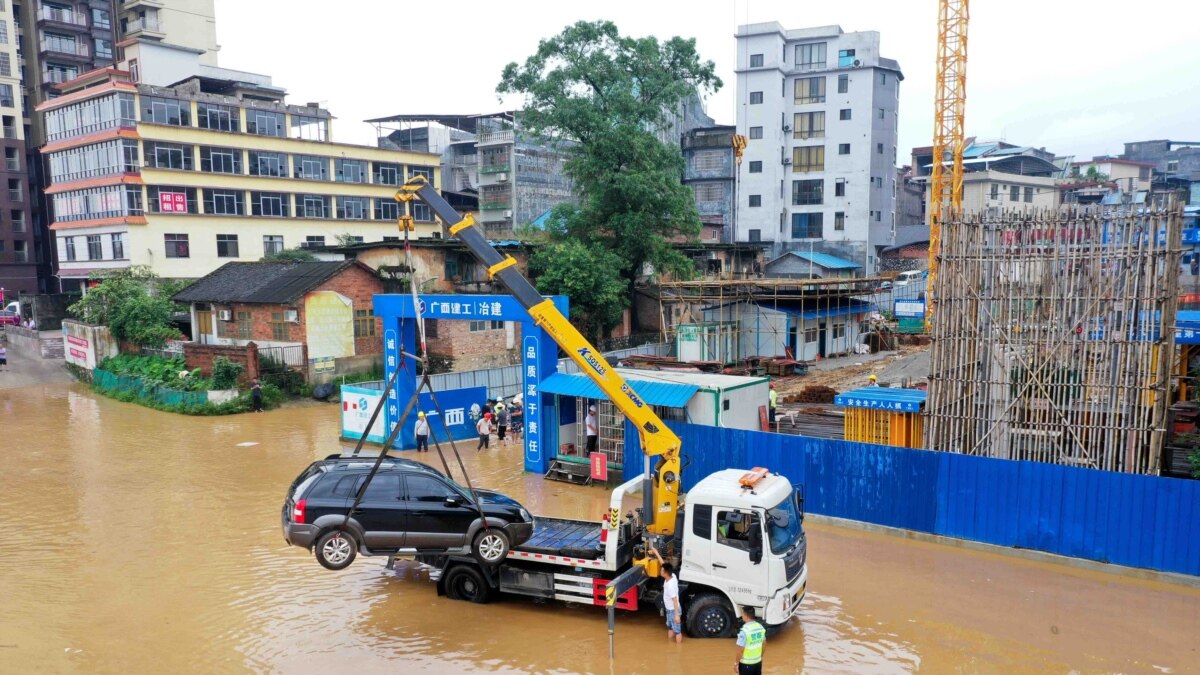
[662, 488]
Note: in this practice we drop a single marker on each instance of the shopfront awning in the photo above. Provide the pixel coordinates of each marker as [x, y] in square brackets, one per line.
[668, 394]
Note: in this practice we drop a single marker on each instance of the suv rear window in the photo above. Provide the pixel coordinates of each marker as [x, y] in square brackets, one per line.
[337, 487]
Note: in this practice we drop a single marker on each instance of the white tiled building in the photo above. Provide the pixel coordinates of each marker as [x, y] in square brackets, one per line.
[820, 109]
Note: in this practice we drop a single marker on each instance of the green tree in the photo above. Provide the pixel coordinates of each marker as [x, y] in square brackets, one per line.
[587, 274]
[133, 304]
[291, 255]
[606, 96]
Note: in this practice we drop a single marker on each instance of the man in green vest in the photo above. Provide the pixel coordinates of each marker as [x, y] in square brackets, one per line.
[773, 402]
[750, 640]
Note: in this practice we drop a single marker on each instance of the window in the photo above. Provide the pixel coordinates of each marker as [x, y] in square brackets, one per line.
[734, 529]
[811, 336]
[1014, 193]
[168, 155]
[755, 132]
[755, 235]
[20, 251]
[350, 170]
[281, 332]
[808, 158]
[364, 323]
[103, 48]
[995, 194]
[755, 96]
[227, 246]
[810, 55]
[882, 113]
[224, 202]
[6, 96]
[163, 199]
[118, 246]
[883, 78]
[708, 160]
[220, 160]
[702, 521]
[877, 181]
[839, 187]
[879, 148]
[843, 84]
[807, 192]
[843, 148]
[423, 171]
[806, 226]
[756, 60]
[274, 204]
[264, 123]
[100, 19]
[388, 174]
[845, 58]
[844, 114]
[176, 244]
[386, 209]
[135, 71]
[312, 206]
[218, 117]
[1029, 195]
[422, 213]
[839, 331]
[755, 167]
[314, 241]
[310, 167]
[878, 216]
[5, 64]
[808, 125]
[272, 244]
[755, 200]
[3, 32]
[165, 111]
[352, 208]
[70, 243]
[102, 202]
[1172, 165]
[268, 163]
[427, 489]
[708, 192]
[839, 220]
[810, 90]
[310, 128]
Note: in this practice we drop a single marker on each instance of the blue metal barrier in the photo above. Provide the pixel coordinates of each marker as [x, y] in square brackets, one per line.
[1138, 521]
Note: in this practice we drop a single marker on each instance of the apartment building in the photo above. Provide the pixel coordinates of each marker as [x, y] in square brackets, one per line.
[18, 244]
[710, 170]
[999, 175]
[214, 168]
[819, 172]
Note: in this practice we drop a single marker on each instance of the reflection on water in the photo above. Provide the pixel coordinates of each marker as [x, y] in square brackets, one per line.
[139, 541]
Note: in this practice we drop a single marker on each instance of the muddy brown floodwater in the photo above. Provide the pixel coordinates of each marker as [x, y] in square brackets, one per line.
[142, 542]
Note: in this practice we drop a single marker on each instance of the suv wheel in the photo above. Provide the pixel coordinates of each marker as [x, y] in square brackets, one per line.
[464, 582]
[709, 616]
[491, 546]
[335, 550]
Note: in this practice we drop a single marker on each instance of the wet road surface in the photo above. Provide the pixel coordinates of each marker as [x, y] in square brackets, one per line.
[139, 542]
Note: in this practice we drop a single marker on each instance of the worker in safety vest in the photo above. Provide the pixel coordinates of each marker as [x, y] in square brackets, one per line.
[773, 400]
[750, 641]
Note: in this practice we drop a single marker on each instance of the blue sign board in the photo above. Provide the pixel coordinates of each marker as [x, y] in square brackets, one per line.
[883, 398]
[398, 314]
[909, 308]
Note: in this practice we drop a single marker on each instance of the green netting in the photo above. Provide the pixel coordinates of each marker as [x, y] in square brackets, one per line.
[127, 383]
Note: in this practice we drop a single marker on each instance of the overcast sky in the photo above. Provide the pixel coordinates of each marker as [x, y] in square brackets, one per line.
[1076, 77]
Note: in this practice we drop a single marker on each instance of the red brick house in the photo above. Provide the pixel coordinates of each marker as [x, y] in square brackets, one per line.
[320, 312]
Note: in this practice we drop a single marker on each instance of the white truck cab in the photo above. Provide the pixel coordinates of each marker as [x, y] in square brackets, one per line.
[747, 543]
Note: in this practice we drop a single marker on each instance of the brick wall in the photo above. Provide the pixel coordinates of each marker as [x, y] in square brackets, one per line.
[474, 350]
[200, 356]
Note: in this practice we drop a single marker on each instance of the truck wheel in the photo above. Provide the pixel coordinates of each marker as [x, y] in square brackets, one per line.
[335, 550]
[491, 546]
[464, 582]
[709, 616]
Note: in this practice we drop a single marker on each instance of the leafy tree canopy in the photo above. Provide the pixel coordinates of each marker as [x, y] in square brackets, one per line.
[587, 274]
[133, 304]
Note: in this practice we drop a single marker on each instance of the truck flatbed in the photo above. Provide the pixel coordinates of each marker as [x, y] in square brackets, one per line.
[573, 543]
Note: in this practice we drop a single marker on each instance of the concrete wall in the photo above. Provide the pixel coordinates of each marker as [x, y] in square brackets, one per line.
[87, 346]
[28, 344]
[348, 365]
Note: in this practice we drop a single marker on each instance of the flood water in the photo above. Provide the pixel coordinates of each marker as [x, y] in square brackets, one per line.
[142, 542]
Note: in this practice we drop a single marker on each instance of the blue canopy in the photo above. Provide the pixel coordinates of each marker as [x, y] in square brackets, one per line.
[668, 394]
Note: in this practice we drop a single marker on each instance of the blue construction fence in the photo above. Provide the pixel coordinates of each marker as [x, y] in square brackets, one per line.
[1138, 521]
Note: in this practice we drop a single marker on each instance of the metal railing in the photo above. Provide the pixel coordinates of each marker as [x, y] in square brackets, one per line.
[57, 76]
[64, 47]
[152, 25]
[503, 136]
[280, 357]
[62, 16]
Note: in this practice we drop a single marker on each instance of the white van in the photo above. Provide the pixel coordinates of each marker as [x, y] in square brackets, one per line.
[906, 278]
[13, 307]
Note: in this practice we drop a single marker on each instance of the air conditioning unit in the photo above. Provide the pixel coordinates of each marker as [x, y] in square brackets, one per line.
[787, 128]
[502, 176]
[508, 214]
[857, 63]
[787, 161]
[224, 315]
[292, 316]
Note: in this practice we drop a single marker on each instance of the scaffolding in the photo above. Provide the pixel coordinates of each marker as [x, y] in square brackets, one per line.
[1054, 338]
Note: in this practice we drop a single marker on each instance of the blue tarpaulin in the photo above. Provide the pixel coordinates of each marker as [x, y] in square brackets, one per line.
[669, 394]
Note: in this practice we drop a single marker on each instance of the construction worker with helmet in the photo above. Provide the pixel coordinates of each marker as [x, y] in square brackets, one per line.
[422, 432]
[872, 381]
[773, 401]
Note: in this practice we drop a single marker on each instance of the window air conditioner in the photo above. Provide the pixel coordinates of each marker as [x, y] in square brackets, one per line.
[292, 316]
[787, 128]
[787, 161]
[857, 63]
[502, 176]
[224, 315]
[508, 214]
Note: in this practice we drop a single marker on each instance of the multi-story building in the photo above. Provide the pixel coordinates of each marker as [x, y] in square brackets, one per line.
[819, 171]
[710, 169]
[18, 242]
[212, 168]
[999, 175]
[1172, 158]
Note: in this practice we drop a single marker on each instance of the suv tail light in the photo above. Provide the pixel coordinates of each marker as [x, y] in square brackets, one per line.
[298, 511]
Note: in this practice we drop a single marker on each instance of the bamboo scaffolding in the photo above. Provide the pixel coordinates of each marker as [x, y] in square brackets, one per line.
[1054, 338]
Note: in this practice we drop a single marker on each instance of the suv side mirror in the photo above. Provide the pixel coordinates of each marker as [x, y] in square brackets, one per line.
[453, 500]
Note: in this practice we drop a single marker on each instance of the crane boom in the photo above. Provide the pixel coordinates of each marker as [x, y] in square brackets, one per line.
[949, 108]
[662, 483]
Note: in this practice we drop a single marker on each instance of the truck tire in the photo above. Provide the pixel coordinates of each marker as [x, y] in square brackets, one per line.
[335, 550]
[464, 582]
[490, 546]
[709, 616]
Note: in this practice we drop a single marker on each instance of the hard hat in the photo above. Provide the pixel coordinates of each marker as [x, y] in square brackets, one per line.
[872, 377]
[592, 408]
[420, 414]
[772, 385]
[487, 416]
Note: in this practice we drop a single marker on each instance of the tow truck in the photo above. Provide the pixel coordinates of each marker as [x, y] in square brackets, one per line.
[738, 541]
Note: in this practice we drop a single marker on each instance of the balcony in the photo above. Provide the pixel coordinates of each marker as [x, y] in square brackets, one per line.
[494, 168]
[58, 76]
[68, 48]
[21, 256]
[147, 27]
[495, 204]
[63, 17]
[134, 4]
[495, 137]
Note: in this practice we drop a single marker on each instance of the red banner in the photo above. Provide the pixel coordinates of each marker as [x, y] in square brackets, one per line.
[172, 202]
[599, 466]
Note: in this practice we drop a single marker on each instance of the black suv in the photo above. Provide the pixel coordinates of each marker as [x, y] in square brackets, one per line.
[409, 508]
